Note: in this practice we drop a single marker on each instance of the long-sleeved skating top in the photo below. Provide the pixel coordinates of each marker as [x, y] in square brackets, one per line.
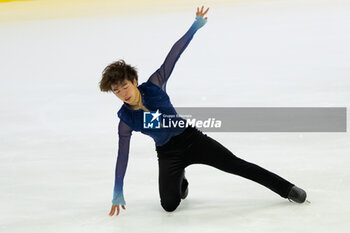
[154, 97]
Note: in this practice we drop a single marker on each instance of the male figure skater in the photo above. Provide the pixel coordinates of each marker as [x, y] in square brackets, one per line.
[179, 147]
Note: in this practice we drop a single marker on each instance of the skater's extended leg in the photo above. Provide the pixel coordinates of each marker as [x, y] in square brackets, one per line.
[206, 150]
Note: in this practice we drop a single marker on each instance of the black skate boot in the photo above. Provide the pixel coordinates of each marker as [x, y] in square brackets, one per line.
[184, 187]
[296, 194]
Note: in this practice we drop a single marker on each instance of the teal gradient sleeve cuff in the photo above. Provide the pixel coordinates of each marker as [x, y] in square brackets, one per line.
[118, 198]
[198, 23]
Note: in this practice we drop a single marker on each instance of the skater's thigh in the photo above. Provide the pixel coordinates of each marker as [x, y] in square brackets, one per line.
[207, 150]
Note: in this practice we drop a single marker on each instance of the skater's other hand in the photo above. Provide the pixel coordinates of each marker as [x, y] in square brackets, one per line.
[201, 13]
[111, 213]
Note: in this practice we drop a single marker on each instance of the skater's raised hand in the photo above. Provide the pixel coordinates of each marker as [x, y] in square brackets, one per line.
[200, 21]
[111, 213]
[201, 13]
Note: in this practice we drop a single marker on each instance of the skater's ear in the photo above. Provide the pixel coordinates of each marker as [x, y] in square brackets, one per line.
[135, 82]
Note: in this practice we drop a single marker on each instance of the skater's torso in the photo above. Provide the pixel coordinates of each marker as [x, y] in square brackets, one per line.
[153, 99]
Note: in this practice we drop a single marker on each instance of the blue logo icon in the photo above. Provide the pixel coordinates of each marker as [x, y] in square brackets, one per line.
[152, 120]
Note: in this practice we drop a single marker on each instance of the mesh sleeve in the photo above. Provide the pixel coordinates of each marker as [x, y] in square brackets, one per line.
[161, 76]
[124, 133]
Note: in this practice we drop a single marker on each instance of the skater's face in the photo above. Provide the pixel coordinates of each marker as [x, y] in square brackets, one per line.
[126, 91]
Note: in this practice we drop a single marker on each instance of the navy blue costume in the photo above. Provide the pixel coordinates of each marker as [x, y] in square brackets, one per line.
[177, 149]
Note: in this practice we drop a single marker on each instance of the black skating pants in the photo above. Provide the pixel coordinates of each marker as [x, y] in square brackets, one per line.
[194, 147]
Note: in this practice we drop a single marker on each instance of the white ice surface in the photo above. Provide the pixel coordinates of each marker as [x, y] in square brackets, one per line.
[58, 131]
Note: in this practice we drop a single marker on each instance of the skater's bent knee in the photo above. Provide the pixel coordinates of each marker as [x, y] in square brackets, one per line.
[170, 206]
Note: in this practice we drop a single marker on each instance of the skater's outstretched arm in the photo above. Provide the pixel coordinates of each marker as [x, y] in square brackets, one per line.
[161, 76]
[124, 132]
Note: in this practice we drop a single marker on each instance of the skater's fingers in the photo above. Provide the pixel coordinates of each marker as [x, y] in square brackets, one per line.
[123, 207]
[200, 12]
[111, 213]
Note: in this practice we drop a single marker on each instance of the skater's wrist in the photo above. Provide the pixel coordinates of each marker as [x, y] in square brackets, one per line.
[199, 22]
[118, 198]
